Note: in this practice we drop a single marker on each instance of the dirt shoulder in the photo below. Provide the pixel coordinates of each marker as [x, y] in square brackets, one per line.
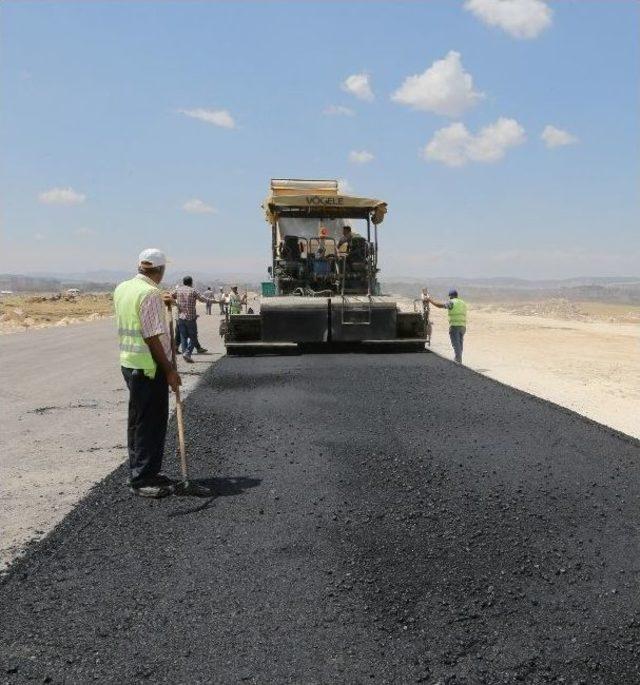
[27, 312]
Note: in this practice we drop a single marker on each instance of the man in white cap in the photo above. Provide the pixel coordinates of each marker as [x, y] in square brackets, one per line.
[145, 358]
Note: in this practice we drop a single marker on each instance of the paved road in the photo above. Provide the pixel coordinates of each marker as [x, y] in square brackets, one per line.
[63, 421]
[379, 518]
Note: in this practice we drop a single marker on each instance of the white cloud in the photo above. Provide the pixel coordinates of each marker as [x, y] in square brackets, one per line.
[195, 206]
[84, 232]
[359, 86]
[556, 137]
[217, 117]
[444, 88]
[360, 156]
[61, 196]
[455, 145]
[344, 187]
[519, 18]
[338, 110]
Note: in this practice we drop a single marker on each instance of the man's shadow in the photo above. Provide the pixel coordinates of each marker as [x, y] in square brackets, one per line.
[220, 487]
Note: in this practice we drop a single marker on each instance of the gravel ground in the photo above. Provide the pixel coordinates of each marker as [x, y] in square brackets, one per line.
[379, 518]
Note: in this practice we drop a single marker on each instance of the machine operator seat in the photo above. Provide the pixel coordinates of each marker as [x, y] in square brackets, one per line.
[290, 259]
[290, 249]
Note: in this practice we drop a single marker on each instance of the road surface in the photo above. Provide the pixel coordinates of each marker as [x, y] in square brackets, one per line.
[378, 518]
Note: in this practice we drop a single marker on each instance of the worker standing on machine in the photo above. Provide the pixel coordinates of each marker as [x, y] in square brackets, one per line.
[344, 244]
[457, 311]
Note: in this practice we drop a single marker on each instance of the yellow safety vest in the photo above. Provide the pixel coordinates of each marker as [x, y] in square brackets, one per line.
[458, 313]
[235, 303]
[134, 351]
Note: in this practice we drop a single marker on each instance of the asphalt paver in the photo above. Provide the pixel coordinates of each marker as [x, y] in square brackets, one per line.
[387, 518]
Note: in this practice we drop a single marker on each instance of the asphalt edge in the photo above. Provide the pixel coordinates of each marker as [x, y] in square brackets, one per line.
[571, 412]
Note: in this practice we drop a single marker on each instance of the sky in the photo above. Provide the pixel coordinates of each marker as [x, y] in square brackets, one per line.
[504, 134]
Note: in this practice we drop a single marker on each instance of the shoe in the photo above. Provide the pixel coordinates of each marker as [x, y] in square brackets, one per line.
[162, 480]
[158, 479]
[202, 350]
[152, 491]
[187, 358]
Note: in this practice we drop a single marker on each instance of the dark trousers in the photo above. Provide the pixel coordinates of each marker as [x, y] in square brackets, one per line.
[188, 335]
[221, 303]
[456, 335]
[147, 426]
[177, 332]
[207, 307]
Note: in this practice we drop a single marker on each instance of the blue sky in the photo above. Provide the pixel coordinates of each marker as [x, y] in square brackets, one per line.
[95, 94]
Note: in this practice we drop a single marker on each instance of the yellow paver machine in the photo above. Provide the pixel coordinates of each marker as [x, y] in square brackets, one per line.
[323, 290]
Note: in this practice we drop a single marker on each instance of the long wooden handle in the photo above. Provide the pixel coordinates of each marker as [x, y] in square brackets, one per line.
[181, 443]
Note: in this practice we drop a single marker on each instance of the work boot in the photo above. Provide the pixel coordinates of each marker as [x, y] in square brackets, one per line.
[161, 479]
[153, 486]
[187, 358]
[152, 491]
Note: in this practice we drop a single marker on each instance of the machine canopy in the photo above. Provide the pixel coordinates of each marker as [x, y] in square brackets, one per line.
[319, 199]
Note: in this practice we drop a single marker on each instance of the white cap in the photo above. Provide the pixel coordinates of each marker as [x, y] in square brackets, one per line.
[152, 257]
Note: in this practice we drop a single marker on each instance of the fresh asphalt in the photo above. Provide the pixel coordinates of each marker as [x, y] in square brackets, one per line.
[387, 518]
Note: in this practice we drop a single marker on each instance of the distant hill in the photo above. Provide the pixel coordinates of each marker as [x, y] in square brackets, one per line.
[104, 281]
[624, 290]
[619, 289]
[38, 284]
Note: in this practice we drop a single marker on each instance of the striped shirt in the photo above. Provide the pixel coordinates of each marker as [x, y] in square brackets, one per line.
[152, 317]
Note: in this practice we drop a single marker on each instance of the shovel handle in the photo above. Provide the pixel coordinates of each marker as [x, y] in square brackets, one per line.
[181, 442]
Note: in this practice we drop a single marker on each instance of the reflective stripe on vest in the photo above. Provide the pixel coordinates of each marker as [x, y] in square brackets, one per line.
[458, 313]
[134, 351]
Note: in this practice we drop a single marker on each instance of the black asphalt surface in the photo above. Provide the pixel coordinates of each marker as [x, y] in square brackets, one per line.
[379, 518]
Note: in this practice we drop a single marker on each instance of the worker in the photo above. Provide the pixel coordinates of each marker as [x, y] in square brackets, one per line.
[344, 244]
[236, 301]
[457, 311]
[208, 296]
[186, 296]
[145, 360]
[221, 299]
